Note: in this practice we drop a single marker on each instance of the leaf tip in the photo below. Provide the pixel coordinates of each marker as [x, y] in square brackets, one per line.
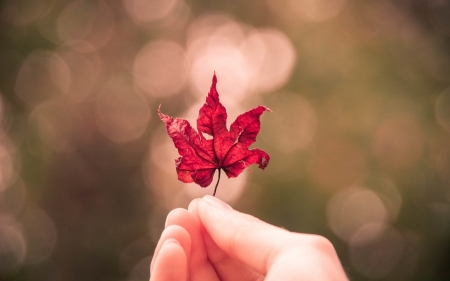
[264, 162]
[162, 116]
[159, 110]
[214, 80]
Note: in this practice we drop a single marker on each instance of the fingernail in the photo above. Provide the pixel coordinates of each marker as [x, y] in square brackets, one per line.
[169, 241]
[216, 202]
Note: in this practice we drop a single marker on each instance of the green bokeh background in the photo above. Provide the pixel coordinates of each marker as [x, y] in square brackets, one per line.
[373, 77]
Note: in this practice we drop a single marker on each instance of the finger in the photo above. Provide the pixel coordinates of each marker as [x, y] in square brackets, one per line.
[307, 264]
[243, 237]
[171, 262]
[226, 267]
[199, 265]
[173, 232]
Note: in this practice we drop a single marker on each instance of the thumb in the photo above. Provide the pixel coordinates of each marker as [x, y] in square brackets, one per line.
[241, 236]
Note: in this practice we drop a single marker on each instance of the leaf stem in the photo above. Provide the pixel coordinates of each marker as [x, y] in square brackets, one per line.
[217, 184]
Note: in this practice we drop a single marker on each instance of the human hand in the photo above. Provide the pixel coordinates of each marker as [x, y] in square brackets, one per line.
[211, 241]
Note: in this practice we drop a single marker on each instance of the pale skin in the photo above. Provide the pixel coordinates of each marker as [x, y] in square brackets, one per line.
[212, 242]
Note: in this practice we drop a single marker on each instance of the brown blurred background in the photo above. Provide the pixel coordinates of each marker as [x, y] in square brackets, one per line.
[359, 135]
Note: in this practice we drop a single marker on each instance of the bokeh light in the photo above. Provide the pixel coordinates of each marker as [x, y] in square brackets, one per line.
[13, 199]
[159, 69]
[247, 60]
[210, 52]
[443, 109]
[41, 235]
[352, 208]
[296, 134]
[7, 170]
[56, 123]
[122, 114]
[85, 70]
[388, 193]
[141, 270]
[307, 10]
[144, 11]
[86, 21]
[441, 159]
[376, 254]
[271, 57]
[24, 12]
[399, 141]
[42, 76]
[134, 253]
[359, 136]
[12, 246]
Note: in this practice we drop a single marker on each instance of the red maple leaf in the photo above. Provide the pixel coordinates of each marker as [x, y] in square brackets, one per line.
[228, 150]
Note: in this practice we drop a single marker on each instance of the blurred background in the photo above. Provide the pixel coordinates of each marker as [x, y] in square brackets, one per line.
[359, 137]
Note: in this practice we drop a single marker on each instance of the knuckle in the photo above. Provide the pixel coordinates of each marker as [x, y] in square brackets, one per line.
[315, 243]
[322, 244]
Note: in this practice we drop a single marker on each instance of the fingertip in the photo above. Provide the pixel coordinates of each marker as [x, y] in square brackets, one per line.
[171, 263]
[209, 209]
[193, 205]
[172, 214]
[216, 202]
[173, 232]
